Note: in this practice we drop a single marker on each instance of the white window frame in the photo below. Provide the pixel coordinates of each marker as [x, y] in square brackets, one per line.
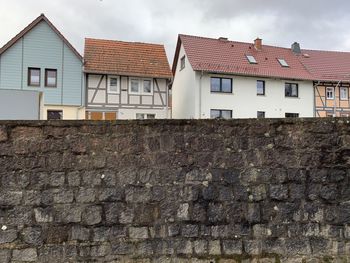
[341, 93]
[145, 116]
[251, 59]
[333, 90]
[283, 62]
[109, 85]
[141, 83]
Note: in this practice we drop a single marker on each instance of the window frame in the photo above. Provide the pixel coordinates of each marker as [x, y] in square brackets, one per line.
[60, 111]
[295, 115]
[221, 111]
[183, 62]
[109, 84]
[251, 59]
[263, 113]
[264, 88]
[347, 93]
[46, 78]
[221, 89]
[30, 77]
[141, 87]
[146, 116]
[283, 62]
[291, 85]
[333, 92]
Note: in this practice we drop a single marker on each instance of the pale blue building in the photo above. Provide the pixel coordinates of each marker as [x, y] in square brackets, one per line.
[41, 59]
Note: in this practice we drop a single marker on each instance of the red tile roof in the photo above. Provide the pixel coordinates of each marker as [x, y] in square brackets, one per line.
[220, 56]
[327, 65]
[33, 24]
[126, 58]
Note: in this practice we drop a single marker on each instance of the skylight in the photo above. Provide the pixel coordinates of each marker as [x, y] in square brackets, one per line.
[283, 62]
[251, 59]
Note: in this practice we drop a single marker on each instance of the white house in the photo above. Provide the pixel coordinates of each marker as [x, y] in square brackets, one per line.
[126, 80]
[218, 78]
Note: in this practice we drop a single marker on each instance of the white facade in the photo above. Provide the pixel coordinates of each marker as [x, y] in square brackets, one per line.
[193, 99]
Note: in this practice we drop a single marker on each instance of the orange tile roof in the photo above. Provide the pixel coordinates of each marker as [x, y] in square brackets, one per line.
[126, 58]
[229, 57]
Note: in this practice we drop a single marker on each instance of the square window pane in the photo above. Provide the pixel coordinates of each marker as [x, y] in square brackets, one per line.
[260, 87]
[140, 116]
[215, 114]
[51, 77]
[113, 84]
[261, 114]
[34, 77]
[135, 86]
[215, 84]
[151, 116]
[227, 85]
[226, 114]
[147, 86]
[54, 115]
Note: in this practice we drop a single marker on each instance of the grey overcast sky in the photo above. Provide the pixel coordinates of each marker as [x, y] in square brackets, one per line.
[316, 24]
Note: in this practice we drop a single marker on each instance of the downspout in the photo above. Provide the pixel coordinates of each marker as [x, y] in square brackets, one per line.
[315, 111]
[200, 94]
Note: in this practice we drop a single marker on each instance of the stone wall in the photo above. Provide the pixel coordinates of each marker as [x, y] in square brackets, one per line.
[175, 191]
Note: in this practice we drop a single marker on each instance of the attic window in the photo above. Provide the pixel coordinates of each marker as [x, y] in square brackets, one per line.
[183, 62]
[251, 59]
[283, 62]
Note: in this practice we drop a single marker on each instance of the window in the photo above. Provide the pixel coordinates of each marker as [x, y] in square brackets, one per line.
[221, 114]
[113, 84]
[51, 78]
[221, 85]
[54, 115]
[183, 62]
[143, 116]
[34, 77]
[344, 93]
[292, 115]
[330, 93]
[330, 114]
[251, 59]
[344, 115]
[283, 62]
[141, 86]
[291, 90]
[261, 114]
[260, 87]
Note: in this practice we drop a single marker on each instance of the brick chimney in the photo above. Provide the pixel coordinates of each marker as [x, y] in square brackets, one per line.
[296, 48]
[258, 44]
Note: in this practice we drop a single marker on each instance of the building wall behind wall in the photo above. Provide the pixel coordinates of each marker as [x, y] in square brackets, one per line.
[175, 191]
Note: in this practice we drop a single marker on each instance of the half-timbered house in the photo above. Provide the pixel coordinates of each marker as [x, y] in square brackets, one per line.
[126, 80]
[331, 71]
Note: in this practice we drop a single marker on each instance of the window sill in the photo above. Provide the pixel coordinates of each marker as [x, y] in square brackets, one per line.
[261, 95]
[221, 93]
[287, 97]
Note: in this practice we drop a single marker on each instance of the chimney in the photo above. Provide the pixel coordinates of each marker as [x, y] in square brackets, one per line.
[296, 48]
[258, 44]
[223, 39]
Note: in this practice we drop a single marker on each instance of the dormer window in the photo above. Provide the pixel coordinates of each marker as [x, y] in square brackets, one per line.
[251, 59]
[283, 62]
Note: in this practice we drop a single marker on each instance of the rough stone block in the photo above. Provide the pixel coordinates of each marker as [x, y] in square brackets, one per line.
[138, 232]
[80, 233]
[63, 196]
[74, 178]
[183, 212]
[43, 215]
[279, 192]
[138, 195]
[200, 247]
[92, 215]
[84, 195]
[214, 248]
[56, 179]
[32, 236]
[68, 214]
[10, 198]
[8, 236]
[3, 134]
[28, 255]
[111, 194]
[232, 247]
[190, 231]
[184, 247]
[5, 255]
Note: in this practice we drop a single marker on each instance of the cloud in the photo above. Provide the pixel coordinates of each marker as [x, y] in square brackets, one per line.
[316, 24]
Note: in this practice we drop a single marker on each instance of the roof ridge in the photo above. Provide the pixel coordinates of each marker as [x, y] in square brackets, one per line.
[325, 51]
[122, 41]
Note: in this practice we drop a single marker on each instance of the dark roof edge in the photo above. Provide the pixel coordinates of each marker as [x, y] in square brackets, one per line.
[42, 17]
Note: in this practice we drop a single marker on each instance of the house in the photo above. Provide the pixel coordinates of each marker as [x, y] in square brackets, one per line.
[218, 78]
[331, 71]
[126, 80]
[40, 59]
